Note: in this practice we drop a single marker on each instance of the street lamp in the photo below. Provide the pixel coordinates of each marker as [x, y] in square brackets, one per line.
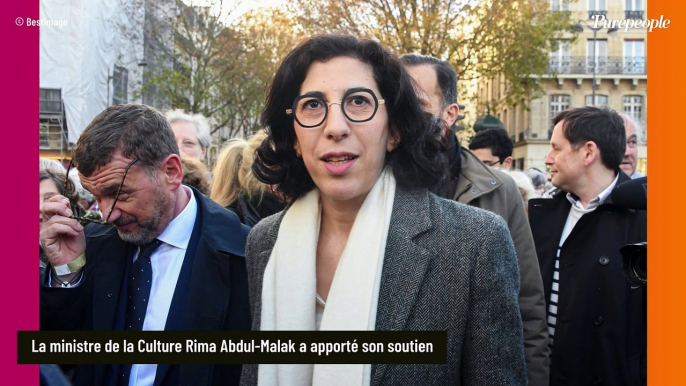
[578, 27]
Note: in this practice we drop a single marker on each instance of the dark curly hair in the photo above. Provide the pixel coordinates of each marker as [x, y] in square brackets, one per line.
[417, 162]
[495, 139]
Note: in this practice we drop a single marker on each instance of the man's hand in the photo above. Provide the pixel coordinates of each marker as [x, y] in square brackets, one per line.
[62, 237]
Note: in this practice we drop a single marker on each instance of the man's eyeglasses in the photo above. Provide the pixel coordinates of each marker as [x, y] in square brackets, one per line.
[490, 162]
[116, 197]
[359, 104]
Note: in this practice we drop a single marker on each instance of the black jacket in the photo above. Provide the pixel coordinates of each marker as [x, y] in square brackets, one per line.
[217, 296]
[600, 332]
[251, 211]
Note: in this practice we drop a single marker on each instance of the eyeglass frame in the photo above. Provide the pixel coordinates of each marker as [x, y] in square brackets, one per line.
[116, 197]
[491, 163]
[319, 97]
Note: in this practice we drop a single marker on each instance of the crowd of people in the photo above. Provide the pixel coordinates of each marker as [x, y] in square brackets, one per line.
[355, 208]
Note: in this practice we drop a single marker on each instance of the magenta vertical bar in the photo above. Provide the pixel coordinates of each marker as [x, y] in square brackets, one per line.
[19, 102]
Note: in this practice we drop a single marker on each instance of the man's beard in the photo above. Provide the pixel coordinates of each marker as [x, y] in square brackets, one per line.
[152, 226]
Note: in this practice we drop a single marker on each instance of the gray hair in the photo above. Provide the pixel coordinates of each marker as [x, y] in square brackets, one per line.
[51, 164]
[526, 188]
[537, 177]
[198, 120]
[637, 125]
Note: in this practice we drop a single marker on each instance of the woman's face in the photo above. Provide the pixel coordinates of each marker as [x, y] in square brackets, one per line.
[48, 188]
[344, 158]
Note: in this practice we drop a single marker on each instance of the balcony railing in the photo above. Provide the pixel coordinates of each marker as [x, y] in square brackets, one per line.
[529, 135]
[633, 15]
[610, 65]
[564, 14]
[599, 13]
[52, 135]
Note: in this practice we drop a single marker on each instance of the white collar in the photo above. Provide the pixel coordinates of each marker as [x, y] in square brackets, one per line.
[178, 232]
[594, 203]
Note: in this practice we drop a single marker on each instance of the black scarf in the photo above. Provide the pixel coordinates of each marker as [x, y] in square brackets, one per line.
[453, 152]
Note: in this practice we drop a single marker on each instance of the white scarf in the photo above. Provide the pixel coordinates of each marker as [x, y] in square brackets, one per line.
[290, 283]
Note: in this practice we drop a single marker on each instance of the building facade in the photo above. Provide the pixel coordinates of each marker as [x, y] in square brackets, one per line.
[617, 60]
[97, 60]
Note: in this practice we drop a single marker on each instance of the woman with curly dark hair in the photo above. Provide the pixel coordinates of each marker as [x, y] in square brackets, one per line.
[364, 245]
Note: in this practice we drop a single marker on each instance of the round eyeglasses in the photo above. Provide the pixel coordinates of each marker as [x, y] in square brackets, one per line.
[359, 105]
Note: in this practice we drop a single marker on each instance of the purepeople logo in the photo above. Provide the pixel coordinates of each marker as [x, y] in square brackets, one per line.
[20, 21]
[648, 24]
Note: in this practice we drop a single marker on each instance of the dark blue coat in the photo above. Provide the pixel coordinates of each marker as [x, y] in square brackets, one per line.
[217, 294]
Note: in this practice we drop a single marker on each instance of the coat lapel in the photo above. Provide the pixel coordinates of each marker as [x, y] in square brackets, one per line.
[177, 309]
[209, 293]
[110, 267]
[405, 264]
[110, 270]
[547, 218]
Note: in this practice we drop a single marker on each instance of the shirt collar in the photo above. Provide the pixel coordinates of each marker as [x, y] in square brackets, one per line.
[594, 203]
[178, 232]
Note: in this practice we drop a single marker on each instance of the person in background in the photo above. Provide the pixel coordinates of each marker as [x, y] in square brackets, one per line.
[192, 133]
[85, 197]
[195, 174]
[235, 186]
[634, 131]
[596, 321]
[548, 185]
[46, 163]
[526, 188]
[493, 147]
[471, 182]
[53, 184]
[225, 185]
[538, 179]
[364, 245]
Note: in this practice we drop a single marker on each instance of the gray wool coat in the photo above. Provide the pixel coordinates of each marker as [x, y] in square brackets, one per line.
[447, 267]
[490, 189]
